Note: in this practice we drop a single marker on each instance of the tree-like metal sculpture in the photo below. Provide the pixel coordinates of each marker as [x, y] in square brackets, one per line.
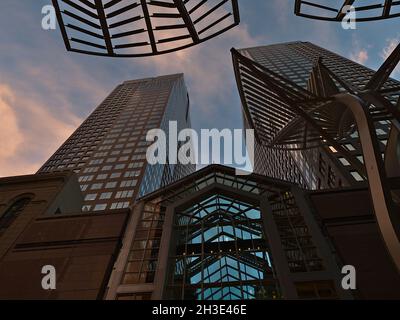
[336, 10]
[134, 28]
[286, 116]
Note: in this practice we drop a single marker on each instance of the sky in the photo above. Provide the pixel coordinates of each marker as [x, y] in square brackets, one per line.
[46, 92]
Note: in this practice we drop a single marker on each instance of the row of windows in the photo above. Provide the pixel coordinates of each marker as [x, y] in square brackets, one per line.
[92, 131]
[103, 206]
[108, 195]
[110, 185]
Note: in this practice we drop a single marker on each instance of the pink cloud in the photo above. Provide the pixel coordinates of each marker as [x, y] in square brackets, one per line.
[360, 57]
[40, 104]
[40, 134]
[9, 130]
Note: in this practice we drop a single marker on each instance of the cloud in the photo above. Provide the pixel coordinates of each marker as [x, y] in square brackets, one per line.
[49, 92]
[282, 8]
[360, 56]
[9, 130]
[208, 70]
[28, 132]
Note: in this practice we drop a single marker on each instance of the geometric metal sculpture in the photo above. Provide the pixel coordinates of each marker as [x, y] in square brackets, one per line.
[287, 116]
[322, 10]
[135, 28]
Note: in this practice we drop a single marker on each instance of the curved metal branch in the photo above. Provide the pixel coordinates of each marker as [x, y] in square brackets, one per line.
[386, 211]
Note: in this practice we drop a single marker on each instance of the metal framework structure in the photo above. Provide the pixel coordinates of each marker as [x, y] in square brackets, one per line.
[217, 236]
[334, 10]
[287, 116]
[135, 28]
[220, 223]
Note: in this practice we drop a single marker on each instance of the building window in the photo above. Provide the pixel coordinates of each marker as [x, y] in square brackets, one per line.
[13, 212]
[128, 183]
[124, 194]
[85, 178]
[380, 132]
[233, 247]
[344, 161]
[100, 207]
[130, 174]
[110, 185]
[91, 197]
[356, 176]
[119, 205]
[105, 195]
[96, 186]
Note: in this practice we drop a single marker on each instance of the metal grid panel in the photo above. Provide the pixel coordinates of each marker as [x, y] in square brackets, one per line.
[333, 10]
[332, 108]
[134, 28]
[287, 116]
[222, 252]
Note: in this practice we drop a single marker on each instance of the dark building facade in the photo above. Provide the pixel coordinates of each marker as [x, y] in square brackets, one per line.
[209, 236]
[41, 224]
[316, 168]
[108, 151]
[348, 220]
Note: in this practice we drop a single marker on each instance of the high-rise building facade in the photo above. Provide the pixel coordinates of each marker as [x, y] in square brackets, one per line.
[317, 168]
[108, 151]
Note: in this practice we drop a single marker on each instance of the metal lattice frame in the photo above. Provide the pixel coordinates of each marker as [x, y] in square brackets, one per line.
[320, 10]
[136, 28]
[213, 203]
[287, 116]
[222, 224]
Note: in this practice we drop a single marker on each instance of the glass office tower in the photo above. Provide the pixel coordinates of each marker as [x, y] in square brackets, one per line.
[108, 151]
[317, 168]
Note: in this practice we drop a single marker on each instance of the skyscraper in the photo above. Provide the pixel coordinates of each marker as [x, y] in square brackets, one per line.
[317, 168]
[108, 151]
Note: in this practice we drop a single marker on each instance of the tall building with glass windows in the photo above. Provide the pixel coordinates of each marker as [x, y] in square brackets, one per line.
[317, 168]
[108, 151]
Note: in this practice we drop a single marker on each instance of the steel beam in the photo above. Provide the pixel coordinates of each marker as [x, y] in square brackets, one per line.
[322, 10]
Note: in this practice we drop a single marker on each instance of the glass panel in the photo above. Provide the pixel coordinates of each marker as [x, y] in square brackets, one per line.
[221, 252]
